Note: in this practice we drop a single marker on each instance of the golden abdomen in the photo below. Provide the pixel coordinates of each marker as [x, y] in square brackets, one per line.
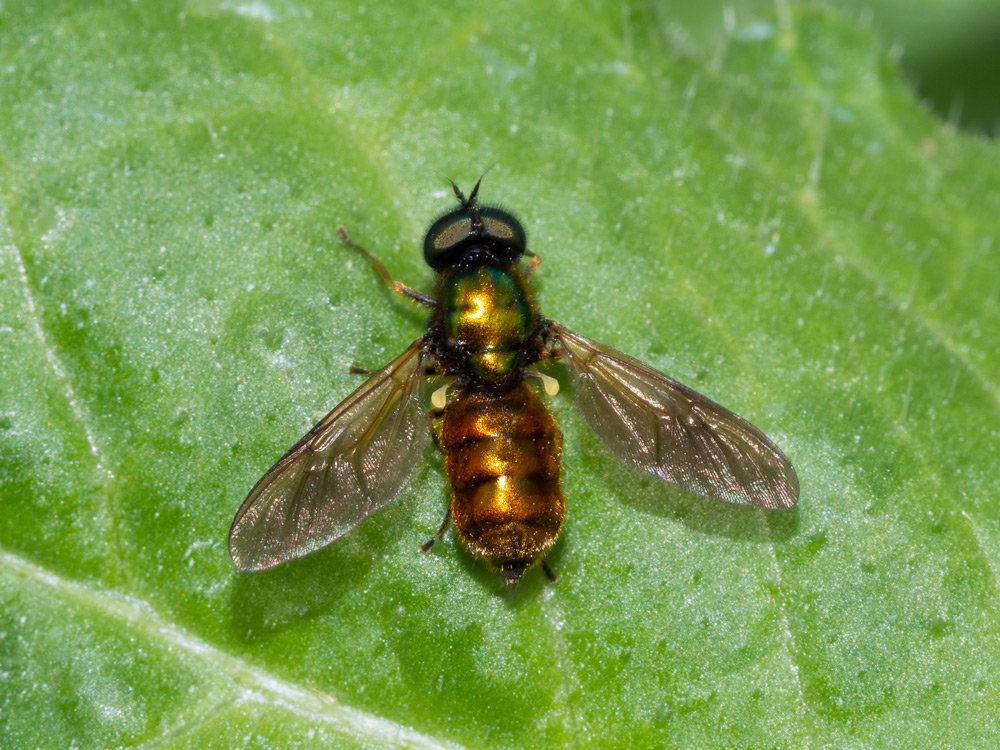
[502, 456]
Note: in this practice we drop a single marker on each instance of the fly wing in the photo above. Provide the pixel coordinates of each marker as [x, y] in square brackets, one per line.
[659, 426]
[348, 466]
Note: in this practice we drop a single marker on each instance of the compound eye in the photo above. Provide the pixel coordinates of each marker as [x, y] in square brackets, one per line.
[445, 234]
[504, 228]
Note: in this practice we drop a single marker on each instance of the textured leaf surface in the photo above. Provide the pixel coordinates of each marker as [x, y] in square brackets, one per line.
[779, 226]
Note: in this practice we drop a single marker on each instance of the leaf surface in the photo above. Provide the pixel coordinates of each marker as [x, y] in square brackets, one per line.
[778, 225]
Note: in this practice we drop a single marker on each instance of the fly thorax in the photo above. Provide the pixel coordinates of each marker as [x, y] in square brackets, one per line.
[486, 315]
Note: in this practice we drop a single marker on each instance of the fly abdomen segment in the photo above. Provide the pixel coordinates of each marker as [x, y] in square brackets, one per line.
[502, 457]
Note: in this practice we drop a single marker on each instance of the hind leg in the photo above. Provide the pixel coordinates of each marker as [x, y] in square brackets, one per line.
[548, 571]
[426, 546]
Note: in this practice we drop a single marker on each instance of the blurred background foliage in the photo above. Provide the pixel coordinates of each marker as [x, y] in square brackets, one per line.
[949, 50]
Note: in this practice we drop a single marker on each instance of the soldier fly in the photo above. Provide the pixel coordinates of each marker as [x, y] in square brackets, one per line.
[501, 447]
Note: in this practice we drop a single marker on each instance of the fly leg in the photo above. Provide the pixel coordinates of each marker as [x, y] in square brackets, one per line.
[426, 546]
[548, 571]
[536, 261]
[435, 428]
[397, 286]
[429, 371]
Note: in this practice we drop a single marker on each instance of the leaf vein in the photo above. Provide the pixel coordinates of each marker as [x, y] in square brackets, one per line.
[260, 685]
[108, 480]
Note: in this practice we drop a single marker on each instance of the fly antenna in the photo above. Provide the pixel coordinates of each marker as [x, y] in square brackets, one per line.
[471, 200]
[475, 190]
[460, 195]
[477, 226]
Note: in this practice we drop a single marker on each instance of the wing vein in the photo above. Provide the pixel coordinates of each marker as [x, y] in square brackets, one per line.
[354, 461]
[662, 427]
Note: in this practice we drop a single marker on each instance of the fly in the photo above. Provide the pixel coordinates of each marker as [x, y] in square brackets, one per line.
[501, 446]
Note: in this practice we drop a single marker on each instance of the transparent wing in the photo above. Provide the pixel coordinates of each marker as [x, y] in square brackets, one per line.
[659, 426]
[349, 465]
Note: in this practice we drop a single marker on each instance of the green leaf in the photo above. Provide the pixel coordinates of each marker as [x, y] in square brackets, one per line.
[779, 225]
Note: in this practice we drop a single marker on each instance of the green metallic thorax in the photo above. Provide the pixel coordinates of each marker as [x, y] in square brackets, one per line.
[486, 316]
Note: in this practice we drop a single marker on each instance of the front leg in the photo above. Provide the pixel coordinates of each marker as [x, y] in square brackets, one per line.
[397, 286]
